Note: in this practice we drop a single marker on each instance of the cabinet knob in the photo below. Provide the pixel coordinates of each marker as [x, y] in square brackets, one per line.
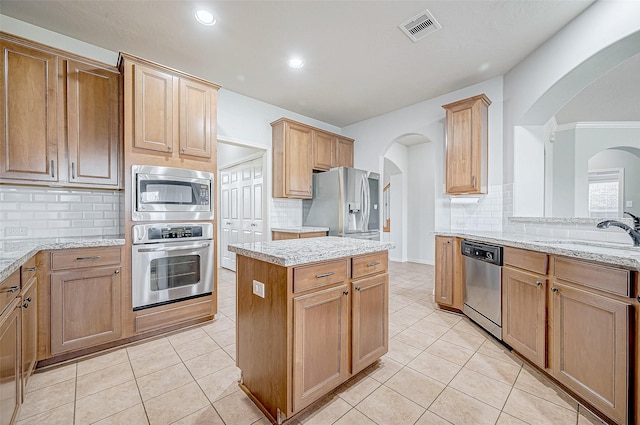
[117, 271]
[538, 283]
[29, 299]
[554, 289]
[184, 149]
[357, 288]
[25, 305]
[169, 148]
[345, 292]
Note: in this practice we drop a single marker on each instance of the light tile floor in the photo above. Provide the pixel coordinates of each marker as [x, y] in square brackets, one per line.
[441, 369]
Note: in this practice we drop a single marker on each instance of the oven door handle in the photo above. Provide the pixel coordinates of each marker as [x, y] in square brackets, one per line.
[175, 248]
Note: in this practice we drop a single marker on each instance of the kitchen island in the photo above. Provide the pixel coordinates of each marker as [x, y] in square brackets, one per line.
[311, 313]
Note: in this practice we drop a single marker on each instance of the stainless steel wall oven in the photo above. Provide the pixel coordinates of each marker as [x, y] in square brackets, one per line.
[171, 262]
[171, 194]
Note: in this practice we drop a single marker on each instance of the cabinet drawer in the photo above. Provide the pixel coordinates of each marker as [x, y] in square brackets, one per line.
[310, 277]
[536, 262]
[79, 258]
[609, 279]
[28, 270]
[9, 290]
[369, 264]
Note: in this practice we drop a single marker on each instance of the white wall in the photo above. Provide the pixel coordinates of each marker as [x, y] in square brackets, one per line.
[398, 155]
[630, 163]
[601, 37]
[574, 146]
[421, 203]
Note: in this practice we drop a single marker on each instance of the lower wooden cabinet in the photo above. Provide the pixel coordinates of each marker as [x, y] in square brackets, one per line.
[320, 343]
[29, 311]
[448, 273]
[85, 308]
[591, 340]
[10, 381]
[370, 321]
[524, 314]
[277, 236]
[303, 330]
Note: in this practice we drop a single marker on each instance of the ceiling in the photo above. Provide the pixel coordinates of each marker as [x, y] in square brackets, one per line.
[358, 63]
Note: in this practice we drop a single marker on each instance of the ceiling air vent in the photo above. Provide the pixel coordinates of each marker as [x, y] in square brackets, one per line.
[420, 26]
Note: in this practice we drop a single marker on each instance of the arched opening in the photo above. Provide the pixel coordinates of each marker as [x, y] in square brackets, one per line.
[409, 169]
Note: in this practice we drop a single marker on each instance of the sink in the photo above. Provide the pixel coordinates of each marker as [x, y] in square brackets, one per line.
[578, 244]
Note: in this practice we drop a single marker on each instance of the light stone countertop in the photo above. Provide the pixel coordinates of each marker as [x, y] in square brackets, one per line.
[14, 253]
[625, 255]
[294, 252]
[299, 229]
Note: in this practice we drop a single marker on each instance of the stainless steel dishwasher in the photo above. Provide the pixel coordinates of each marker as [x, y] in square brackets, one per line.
[483, 285]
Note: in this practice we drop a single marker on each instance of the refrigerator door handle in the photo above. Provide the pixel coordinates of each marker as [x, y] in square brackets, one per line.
[367, 201]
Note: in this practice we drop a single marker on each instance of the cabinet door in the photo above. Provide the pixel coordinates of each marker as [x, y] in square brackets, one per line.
[297, 164]
[93, 124]
[323, 150]
[591, 348]
[196, 124]
[370, 321]
[153, 106]
[524, 314]
[343, 153]
[444, 271]
[320, 344]
[85, 308]
[28, 144]
[461, 172]
[10, 383]
[29, 331]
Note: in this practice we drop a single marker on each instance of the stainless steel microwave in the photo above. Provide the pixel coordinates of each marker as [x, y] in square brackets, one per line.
[170, 194]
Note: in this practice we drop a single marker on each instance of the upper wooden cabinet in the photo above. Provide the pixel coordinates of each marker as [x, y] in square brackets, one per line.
[92, 124]
[467, 142]
[60, 118]
[298, 149]
[292, 173]
[323, 150]
[167, 111]
[29, 148]
[343, 153]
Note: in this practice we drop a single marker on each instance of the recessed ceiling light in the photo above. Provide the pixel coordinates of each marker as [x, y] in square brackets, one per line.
[205, 17]
[295, 63]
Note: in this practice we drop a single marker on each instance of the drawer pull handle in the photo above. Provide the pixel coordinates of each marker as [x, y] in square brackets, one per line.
[554, 289]
[31, 269]
[25, 305]
[345, 292]
[321, 275]
[11, 289]
[375, 263]
[92, 257]
[357, 288]
[29, 299]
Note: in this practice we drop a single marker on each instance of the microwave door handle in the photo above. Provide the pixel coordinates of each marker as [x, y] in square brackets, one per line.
[175, 248]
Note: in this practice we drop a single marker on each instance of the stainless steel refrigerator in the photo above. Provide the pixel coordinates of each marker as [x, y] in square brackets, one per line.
[346, 201]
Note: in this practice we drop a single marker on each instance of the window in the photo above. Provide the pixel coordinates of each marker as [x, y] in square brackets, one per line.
[606, 188]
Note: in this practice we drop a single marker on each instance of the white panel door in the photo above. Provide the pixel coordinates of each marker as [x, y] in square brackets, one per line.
[241, 208]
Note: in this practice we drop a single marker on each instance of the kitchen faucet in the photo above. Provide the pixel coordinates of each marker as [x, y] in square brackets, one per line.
[636, 220]
[634, 234]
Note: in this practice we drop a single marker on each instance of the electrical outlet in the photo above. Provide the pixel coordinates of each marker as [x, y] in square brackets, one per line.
[15, 231]
[258, 288]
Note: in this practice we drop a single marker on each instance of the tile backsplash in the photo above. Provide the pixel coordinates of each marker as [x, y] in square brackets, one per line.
[286, 212]
[59, 212]
[487, 214]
